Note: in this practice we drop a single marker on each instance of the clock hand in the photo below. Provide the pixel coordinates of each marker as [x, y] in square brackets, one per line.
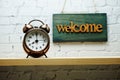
[33, 42]
[36, 36]
[36, 41]
[40, 40]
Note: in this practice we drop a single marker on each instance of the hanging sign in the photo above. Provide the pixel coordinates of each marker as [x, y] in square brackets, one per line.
[79, 27]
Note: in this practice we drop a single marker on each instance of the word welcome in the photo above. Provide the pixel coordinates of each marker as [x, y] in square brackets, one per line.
[80, 28]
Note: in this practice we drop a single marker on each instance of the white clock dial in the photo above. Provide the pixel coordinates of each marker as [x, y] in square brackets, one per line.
[36, 40]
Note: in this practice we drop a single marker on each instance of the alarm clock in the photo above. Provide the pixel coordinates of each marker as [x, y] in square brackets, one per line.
[36, 41]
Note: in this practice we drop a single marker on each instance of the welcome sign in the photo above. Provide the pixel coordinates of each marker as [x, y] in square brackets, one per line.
[79, 27]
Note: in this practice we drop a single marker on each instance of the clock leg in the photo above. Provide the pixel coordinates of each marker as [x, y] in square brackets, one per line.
[45, 56]
[27, 56]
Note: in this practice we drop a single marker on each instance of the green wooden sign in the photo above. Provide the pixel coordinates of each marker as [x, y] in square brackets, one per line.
[79, 27]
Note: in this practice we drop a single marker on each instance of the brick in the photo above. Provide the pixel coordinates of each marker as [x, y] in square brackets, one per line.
[4, 39]
[77, 3]
[102, 75]
[118, 75]
[115, 67]
[114, 28]
[113, 38]
[46, 10]
[29, 3]
[50, 75]
[3, 75]
[75, 6]
[47, 68]
[98, 54]
[30, 11]
[118, 19]
[116, 11]
[16, 38]
[7, 3]
[118, 3]
[72, 47]
[25, 75]
[111, 2]
[112, 19]
[105, 9]
[91, 9]
[17, 29]
[7, 29]
[4, 20]
[14, 20]
[69, 68]
[24, 68]
[38, 75]
[8, 11]
[102, 68]
[18, 51]
[86, 3]
[95, 46]
[62, 75]
[54, 48]
[85, 67]
[5, 48]
[78, 75]
[13, 75]
[19, 75]
[6, 68]
[99, 3]
[9, 55]
[118, 38]
[22, 20]
[45, 3]
[113, 47]
[50, 3]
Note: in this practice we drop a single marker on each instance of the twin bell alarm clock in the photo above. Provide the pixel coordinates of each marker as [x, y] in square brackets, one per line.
[36, 41]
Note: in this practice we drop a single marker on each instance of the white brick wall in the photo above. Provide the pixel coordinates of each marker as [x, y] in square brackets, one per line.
[15, 13]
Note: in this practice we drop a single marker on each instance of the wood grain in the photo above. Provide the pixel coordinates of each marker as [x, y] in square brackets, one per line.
[59, 61]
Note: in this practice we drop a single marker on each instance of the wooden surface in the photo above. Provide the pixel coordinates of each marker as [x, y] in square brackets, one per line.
[79, 19]
[59, 61]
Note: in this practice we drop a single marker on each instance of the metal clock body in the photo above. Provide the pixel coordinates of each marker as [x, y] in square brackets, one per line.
[36, 41]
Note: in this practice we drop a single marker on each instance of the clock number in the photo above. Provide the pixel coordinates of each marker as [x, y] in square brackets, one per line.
[44, 40]
[40, 47]
[29, 44]
[28, 40]
[30, 37]
[32, 34]
[33, 42]
[40, 34]
[36, 48]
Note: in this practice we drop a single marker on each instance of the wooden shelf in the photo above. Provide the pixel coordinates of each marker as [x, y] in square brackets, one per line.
[59, 61]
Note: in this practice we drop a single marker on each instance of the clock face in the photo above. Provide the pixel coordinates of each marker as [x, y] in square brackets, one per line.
[36, 40]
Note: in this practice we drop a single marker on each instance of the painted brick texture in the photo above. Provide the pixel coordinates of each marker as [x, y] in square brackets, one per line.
[15, 13]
